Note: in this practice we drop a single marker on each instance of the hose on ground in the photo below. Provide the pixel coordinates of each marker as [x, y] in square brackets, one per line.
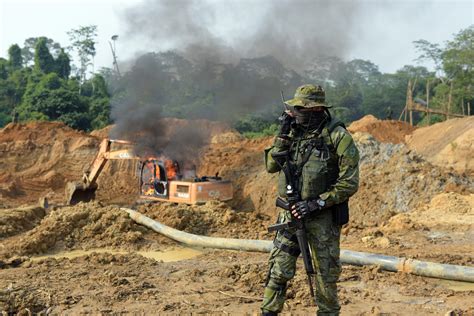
[388, 263]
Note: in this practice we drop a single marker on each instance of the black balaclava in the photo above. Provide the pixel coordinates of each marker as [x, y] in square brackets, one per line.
[310, 120]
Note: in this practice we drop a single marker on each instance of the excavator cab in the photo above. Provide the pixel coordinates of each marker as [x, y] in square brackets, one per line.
[153, 179]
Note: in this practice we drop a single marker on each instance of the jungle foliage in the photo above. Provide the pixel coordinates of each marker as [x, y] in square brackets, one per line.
[36, 84]
[39, 81]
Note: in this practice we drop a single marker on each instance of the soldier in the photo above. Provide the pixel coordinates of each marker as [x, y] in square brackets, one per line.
[327, 162]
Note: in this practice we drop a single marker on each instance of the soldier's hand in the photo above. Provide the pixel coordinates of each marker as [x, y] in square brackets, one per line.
[302, 209]
[286, 119]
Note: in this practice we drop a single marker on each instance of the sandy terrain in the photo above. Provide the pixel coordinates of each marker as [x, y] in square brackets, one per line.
[406, 206]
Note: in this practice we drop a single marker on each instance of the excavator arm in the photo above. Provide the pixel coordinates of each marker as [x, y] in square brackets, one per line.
[84, 190]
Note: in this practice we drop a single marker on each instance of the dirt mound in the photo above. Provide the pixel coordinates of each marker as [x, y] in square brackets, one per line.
[15, 221]
[84, 226]
[30, 299]
[212, 219]
[451, 210]
[36, 132]
[363, 122]
[242, 163]
[92, 225]
[394, 179]
[228, 137]
[102, 133]
[447, 144]
[387, 131]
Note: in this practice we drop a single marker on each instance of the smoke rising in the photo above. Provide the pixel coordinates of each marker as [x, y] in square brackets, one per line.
[139, 118]
[293, 31]
[242, 54]
[155, 136]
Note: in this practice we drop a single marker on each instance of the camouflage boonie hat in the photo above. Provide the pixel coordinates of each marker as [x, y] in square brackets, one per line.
[309, 96]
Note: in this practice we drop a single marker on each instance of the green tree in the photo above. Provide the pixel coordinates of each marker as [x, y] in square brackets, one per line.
[458, 64]
[348, 86]
[52, 98]
[28, 49]
[83, 42]
[63, 65]
[44, 61]
[429, 51]
[12, 88]
[19, 80]
[3, 68]
[14, 57]
[7, 100]
[454, 63]
[99, 101]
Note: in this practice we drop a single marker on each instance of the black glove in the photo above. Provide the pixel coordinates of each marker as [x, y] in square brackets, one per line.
[285, 124]
[302, 209]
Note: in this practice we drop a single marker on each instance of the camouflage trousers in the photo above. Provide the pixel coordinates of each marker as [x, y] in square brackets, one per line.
[323, 238]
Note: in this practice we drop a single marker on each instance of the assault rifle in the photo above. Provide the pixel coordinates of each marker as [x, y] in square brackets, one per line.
[293, 196]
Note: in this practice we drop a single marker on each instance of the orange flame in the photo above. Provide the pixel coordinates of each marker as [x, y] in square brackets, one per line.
[170, 165]
[171, 169]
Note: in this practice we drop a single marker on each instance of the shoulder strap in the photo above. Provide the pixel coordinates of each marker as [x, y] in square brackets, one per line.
[327, 130]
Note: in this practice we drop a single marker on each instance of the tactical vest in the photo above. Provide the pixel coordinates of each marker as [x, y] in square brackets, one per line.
[316, 162]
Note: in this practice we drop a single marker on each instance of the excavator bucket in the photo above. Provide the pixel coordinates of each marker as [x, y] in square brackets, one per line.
[78, 192]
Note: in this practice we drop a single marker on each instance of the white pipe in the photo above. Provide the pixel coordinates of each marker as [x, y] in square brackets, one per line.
[389, 263]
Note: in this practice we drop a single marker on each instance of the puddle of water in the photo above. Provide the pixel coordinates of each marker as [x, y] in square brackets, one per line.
[350, 284]
[171, 255]
[174, 254]
[457, 286]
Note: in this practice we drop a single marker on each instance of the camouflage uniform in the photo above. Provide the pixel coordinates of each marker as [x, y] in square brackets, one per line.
[332, 174]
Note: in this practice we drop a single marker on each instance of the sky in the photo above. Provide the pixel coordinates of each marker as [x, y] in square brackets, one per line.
[384, 35]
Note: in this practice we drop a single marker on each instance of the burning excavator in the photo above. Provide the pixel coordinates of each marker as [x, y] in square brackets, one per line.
[160, 179]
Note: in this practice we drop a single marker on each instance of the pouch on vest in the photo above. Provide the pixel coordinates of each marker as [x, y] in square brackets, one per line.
[340, 213]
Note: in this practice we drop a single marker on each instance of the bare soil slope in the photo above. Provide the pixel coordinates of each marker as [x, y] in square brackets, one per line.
[386, 131]
[37, 159]
[447, 144]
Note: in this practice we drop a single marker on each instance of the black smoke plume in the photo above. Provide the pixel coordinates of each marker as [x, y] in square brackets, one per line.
[292, 31]
[238, 54]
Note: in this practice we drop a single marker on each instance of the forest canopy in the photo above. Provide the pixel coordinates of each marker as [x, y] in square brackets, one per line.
[39, 81]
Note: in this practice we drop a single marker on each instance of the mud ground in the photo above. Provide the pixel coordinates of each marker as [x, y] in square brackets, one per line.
[217, 282]
[213, 283]
[406, 206]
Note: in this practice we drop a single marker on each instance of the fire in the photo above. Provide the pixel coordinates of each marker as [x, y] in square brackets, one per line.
[171, 169]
